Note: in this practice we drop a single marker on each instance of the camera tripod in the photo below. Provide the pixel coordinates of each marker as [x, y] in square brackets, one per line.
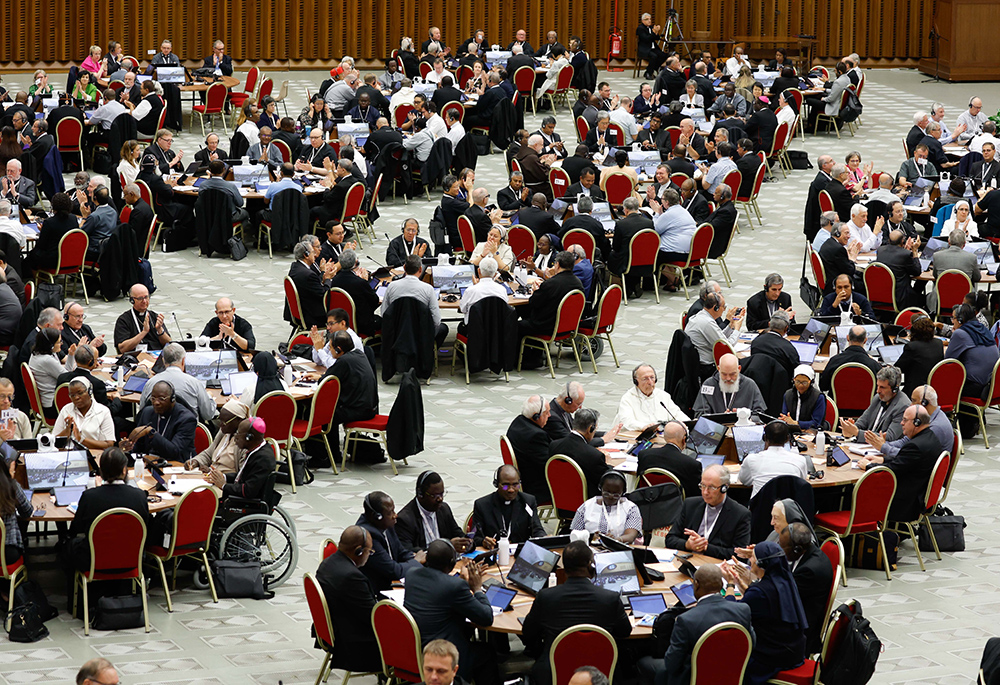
[671, 25]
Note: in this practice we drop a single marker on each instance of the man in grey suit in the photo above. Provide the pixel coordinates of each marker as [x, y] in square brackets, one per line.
[441, 602]
[953, 257]
[882, 417]
[411, 286]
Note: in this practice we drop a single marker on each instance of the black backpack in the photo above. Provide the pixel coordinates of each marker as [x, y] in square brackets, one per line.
[852, 107]
[853, 659]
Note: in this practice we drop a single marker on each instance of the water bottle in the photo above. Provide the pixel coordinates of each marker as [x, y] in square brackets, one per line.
[119, 378]
[821, 442]
[927, 199]
[140, 469]
[552, 580]
[308, 129]
[288, 374]
[503, 551]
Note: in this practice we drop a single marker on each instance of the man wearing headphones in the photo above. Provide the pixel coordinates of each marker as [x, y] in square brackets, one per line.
[927, 397]
[577, 446]
[358, 388]
[837, 258]
[574, 602]
[763, 305]
[713, 524]
[728, 390]
[350, 599]
[211, 152]
[703, 329]
[441, 603]
[912, 464]
[165, 428]
[75, 331]
[644, 405]
[845, 300]
[406, 244]
[390, 559]
[561, 410]
[776, 459]
[530, 444]
[885, 411]
[673, 458]
[507, 513]
[813, 577]
[140, 325]
[353, 278]
[427, 517]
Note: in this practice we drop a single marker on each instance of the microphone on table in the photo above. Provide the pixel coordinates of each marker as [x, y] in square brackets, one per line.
[177, 323]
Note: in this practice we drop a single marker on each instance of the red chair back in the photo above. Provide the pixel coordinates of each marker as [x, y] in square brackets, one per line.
[465, 72]
[352, 203]
[524, 80]
[324, 403]
[319, 611]
[286, 152]
[558, 179]
[565, 79]
[701, 242]
[150, 236]
[425, 68]
[583, 238]
[398, 641]
[338, 298]
[453, 106]
[819, 272]
[117, 538]
[619, 135]
[797, 96]
[34, 397]
[780, 138]
[642, 249]
[193, 520]
[266, 88]
[618, 187]
[733, 179]
[951, 287]
[302, 338]
[401, 113]
[720, 349]
[947, 378]
[72, 252]
[521, 240]
[62, 396]
[582, 645]
[215, 98]
[831, 415]
[872, 496]
[905, 316]
[825, 202]
[277, 408]
[730, 639]
[69, 134]
[582, 128]
[251, 83]
[607, 309]
[675, 135]
[881, 286]
[467, 234]
[935, 486]
[202, 438]
[125, 213]
[567, 483]
[292, 300]
[834, 552]
[568, 315]
[328, 549]
[116, 85]
[758, 181]
[507, 452]
[656, 476]
[852, 387]
[678, 178]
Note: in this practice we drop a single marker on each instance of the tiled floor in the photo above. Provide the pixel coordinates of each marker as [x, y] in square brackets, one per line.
[934, 624]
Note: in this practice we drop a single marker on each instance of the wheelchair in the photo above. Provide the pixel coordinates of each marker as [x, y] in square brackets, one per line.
[254, 530]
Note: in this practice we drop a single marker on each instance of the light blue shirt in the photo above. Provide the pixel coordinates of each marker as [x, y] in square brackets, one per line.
[821, 237]
[676, 227]
[717, 173]
[283, 184]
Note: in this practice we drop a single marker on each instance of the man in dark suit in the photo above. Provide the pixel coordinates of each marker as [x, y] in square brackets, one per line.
[446, 92]
[427, 517]
[482, 114]
[258, 464]
[43, 141]
[773, 344]
[747, 162]
[20, 190]
[553, 142]
[165, 427]
[813, 577]
[587, 184]
[671, 457]
[647, 40]
[577, 446]
[694, 202]
[723, 219]
[625, 228]
[519, 59]
[838, 259]
[140, 219]
[441, 603]
[574, 166]
[761, 127]
[902, 257]
[983, 171]
[678, 162]
[507, 513]
[574, 602]
[539, 315]
[311, 286]
[583, 220]
[706, 86]
[390, 559]
[550, 44]
[811, 225]
[763, 305]
[530, 443]
[916, 134]
[843, 201]
[537, 218]
[358, 389]
[717, 534]
[670, 83]
[854, 353]
[381, 137]
[935, 151]
[219, 60]
[366, 300]
[515, 196]
[337, 183]
[481, 221]
[350, 599]
[561, 410]
[733, 124]
[711, 610]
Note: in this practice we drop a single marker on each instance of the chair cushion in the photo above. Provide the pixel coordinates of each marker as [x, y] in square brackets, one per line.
[464, 339]
[299, 429]
[837, 522]
[975, 401]
[803, 675]
[157, 551]
[379, 423]
[14, 566]
[199, 108]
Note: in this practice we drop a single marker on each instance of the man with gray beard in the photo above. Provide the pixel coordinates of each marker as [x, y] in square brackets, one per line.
[728, 391]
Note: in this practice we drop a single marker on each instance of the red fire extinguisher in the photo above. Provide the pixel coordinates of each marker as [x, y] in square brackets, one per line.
[617, 48]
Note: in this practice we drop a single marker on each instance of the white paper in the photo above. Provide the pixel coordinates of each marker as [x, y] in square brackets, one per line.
[664, 555]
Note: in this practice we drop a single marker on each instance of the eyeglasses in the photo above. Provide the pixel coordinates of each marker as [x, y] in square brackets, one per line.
[7, 397]
[709, 488]
[613, 495]
[223, 312]
[802, 382]
[438, 497]
[141, 298]
[507, 487]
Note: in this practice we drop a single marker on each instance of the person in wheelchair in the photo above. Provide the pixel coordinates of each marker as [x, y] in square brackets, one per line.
[164, 428]
[250, 481]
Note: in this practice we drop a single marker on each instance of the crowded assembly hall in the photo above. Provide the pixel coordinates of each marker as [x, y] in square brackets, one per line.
[499, 359]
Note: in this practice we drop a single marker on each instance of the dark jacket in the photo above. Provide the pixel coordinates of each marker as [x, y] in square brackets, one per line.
[757, 309]
[748, 165]
[507, 200]
[843, 201]
[913, 138]
[365, 300]
[100, 391]
[695, 622]
[625, 229]
[779, 645]
[46, 251]
[214, 221]
[761, 127]
[723, 221]
[531, 449]
[835, 262]
[592, 226]
[574, 602]
[698, 208]
[812, 213]
[440, 604]
[289, 217]
[492, 336]
[538, 220]
[777, 348]
[442, 96]
[912, 465]
[827, 309]
[350, 599]
[176, 442]
[540, 316]
[917, 360]
[405, 428]
[904, 267]
[140, 220]
[669, 458]
[95, 502]
[596, 194]
[731, 530]
[480, 221]
[312, 294]
[590, 459]
[851, 354]
[814, 577]
[241, 326]
[410, 526]
[358, 391]
[407, 338]
[492, 516]
[573, 165]
[389, 560]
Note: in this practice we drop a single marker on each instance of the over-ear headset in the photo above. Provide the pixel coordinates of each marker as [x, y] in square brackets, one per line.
[496, 477]
[916, 420]
[541, 407]
[894, 379]
[454, 552]
[173, 393]
[635, 374]
[406, 221]
[420, 482]
[370, 510]
[613, 474]
[923, 400]
[724, 488]
[971, 99]
[568, 400]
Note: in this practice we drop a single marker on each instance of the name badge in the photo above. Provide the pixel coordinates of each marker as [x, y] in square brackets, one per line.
[707, 390]
[530, 512]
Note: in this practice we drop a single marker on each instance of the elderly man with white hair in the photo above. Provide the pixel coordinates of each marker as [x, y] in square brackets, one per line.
[973, 120]
[483, 287]
[535, 166]
[869, 238]
[342, 92]
[645, 405]
[939, 425]
[186, 387]
[947, 136]
[17, 188]
[530, 443]
[10, 224]
[728, 390]
[712, 524]
[916, 134]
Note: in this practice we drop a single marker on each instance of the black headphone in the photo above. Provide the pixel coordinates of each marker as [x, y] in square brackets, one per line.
[923, 400]
[131, 300]
[635, 373]
[173, 393]
[568, 400]
[454, 552]
[88, 386]
[971, 99]
[613, 474]
[724, 488]
[496, 476]
[895, 380]
[370, 511]
[420, 481]
[541, 407]
[408, 220]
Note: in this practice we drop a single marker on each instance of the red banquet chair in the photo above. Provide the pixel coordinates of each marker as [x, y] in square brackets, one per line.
[607, 313]
[564, 332]
[582, 645]
[320, 421]
[398, 642]
[567, 485]
[852, 387]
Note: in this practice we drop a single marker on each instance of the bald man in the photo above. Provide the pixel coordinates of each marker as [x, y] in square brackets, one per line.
[97, 671]
[728, 390]
[234, 331]
[672, 457]
[258, 463]
[939, 425]
[350, 598]
[140, 325]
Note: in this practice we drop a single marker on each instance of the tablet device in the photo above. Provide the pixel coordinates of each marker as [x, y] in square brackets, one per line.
[706, 436]
[726, 418]
[749, 440]
[238, 382]
[616, 572]
[707, 460]
[815, 331]
[226, 386]
[891, 353]
[840, 457]
[134, 384]
[532, 567]
[643, 605]
[206, 366]
[684, 592]
[68, 495]
[500, 596]
[551, 541]
[807, 350]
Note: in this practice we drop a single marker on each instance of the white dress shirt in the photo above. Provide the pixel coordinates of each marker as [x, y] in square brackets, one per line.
[636, 410]
[436, 125]
[455, 134]
[325, 358]
[757, 469]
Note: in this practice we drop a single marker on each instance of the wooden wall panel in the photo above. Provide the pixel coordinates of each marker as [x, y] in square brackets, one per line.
[312, 32]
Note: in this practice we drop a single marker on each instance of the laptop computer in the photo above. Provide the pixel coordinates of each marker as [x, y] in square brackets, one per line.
[749, 440]
[932, 246]
[816, 330]
[807, 350]
[706, 436]
[236, 383]
[500, 596]
[874, 331]
[211, 365]
[532, 567]
[643, 605]
[890, 353]
[707, 460]
[68, 495]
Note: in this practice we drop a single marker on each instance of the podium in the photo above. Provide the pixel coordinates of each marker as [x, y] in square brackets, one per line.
[967, 54]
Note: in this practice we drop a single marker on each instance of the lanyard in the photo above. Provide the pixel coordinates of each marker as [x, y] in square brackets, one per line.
[136, 320]
[162, 431]
[729, 402]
